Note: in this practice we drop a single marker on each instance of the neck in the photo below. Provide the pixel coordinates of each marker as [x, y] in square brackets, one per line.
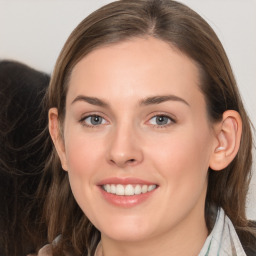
[185, 239]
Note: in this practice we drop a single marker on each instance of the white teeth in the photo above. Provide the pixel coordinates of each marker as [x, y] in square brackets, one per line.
[128, 190]
[151, 187]
[108, 188]
[137, 190]
[119, 190]
[113, 189]
[144, 189]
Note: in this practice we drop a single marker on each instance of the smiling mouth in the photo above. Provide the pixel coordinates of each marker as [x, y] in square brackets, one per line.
[128, 190]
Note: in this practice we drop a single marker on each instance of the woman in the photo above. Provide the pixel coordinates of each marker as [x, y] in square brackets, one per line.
[153, 145]
[21, 156]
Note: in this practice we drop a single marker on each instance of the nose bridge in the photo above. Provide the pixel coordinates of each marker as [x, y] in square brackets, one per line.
[125, 148]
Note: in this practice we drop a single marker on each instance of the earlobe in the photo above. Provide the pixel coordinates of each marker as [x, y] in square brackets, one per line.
[57, 139]
[228, 137]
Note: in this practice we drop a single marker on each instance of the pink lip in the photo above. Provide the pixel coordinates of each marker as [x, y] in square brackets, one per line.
[125, 201]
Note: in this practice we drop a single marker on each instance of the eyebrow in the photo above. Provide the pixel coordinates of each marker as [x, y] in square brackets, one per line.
[91, 100]
[161, 99]
[145, 102]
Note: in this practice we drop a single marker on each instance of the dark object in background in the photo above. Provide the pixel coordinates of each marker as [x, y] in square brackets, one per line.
[22, 155]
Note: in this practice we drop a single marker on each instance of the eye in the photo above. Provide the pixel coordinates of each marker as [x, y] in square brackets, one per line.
[160, 120]
[93, 120]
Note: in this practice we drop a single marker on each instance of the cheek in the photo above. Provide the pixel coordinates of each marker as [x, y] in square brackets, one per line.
[83, 156]
[83, 159]
[82, 153]
[183, 157]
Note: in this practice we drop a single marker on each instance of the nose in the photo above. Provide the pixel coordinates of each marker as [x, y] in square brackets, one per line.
[125, 147]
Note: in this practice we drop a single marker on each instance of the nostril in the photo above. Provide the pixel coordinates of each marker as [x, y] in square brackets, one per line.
[131, 161]
[123, 163]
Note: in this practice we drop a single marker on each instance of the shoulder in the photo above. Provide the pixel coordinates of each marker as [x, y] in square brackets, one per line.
[45, 251]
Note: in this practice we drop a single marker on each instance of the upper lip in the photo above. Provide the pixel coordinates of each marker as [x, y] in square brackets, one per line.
[125, 181]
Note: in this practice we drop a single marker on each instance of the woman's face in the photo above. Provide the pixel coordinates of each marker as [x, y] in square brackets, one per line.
[136, 125]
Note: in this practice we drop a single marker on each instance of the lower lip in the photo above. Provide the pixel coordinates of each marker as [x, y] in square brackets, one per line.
[126, 201]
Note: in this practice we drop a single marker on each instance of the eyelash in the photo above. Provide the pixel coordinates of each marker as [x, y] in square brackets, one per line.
[171, 121]
[82, 121]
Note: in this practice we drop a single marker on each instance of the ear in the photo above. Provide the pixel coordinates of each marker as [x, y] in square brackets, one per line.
[228, 137]
[54, 129]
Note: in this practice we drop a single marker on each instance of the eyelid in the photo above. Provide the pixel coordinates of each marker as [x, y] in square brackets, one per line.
[91, 114]
[164, 114]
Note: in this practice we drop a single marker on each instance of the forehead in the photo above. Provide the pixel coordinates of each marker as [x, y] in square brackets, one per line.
[140, 65]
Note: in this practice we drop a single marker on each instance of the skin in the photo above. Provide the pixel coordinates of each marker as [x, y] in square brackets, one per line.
[129, 143]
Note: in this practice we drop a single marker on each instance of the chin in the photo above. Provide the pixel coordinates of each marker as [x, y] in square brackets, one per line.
[130, 229]
[126, 235]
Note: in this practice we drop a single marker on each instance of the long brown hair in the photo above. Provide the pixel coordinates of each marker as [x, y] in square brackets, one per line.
[184, 29]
